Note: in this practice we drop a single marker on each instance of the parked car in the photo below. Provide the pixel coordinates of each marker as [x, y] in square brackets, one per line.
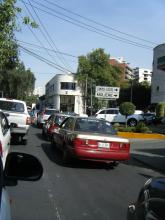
[18, 166]
[114, 116]
[44, 115]
[53, 122]
[90, 139]
[150, 204]
[149, 117]
[17, 113]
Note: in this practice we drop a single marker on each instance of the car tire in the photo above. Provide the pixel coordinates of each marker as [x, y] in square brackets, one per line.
[24, 141]
[66, 158]
[132, 122]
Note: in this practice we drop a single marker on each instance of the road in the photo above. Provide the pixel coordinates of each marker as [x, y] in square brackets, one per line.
[84, 190]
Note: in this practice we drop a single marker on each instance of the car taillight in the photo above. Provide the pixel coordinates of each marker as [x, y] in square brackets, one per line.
[79, 142]
[1, 152]
[28, 121]
[124, 146]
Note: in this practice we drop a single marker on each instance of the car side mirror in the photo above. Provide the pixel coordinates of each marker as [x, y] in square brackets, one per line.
[21, 166]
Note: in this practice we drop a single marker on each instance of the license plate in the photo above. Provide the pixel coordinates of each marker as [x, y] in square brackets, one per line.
[103, 145]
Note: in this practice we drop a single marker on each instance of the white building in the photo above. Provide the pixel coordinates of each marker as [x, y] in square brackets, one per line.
[142, 75]
[158, 77]
[63, 93]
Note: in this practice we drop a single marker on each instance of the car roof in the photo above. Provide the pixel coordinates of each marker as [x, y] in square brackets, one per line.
[11, 100]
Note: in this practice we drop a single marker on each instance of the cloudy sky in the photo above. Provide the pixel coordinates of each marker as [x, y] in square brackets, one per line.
[68, 29]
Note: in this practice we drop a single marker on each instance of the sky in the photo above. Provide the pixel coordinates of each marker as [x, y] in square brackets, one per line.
[128, 29]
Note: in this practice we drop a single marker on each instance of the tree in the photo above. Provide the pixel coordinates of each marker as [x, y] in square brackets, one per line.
[15, 81]
[8, 45]
[127, 108]
[138, 93]
[95, 69]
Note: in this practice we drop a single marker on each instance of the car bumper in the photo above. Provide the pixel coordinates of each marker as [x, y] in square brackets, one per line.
[20, 130]
[90, 154]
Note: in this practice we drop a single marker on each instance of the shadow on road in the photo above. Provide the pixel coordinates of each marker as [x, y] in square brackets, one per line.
[147, 161]
[55, 155]
[157, 151]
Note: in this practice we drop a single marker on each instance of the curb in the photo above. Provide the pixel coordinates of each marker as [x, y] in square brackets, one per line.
[140, 135]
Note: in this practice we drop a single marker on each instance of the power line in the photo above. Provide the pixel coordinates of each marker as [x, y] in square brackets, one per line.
[36, 37]
[98, 23]
[60, 57]
[50, 63]
[35, 45]
[88, 27]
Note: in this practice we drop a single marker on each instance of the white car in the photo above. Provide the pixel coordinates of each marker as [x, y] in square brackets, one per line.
[114, 116]
[4, 137]
[18, 114]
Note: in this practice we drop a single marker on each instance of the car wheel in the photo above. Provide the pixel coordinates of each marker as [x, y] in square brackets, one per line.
[132, 122]
[66, 157]
[24, 141]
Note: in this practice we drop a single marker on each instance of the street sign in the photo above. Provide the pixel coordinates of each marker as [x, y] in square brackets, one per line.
[107, 92]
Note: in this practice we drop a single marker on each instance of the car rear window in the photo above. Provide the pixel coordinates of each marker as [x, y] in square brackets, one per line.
[94, 126]
[50, 111]
[12, 106]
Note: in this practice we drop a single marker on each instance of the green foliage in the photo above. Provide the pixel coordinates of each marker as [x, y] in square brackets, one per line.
[17, 83]
[127, 108]
[93, 70]
[141, 93]
[160, 110]
[140, 128]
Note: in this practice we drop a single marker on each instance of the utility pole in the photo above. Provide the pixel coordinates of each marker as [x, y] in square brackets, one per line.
[91, 97]
[86, 91]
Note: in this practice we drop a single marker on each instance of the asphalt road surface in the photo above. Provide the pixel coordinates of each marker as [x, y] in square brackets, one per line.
[84, 190]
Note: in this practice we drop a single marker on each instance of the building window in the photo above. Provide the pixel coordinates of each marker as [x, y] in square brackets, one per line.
[68, 86]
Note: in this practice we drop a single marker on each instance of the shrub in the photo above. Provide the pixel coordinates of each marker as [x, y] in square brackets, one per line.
[160, 110]
[127, 108]
[142, 128]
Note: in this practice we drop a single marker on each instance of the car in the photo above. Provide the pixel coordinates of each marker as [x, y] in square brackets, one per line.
[18, 166]
[90, 139]
[149, 117]
[44, 115]
[17, 113]
[150, 204]
[53, 122]
[5, 136]
[114, 116]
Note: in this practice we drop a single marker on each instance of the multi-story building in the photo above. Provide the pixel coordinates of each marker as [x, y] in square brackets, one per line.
[63, 93]
[158, 77]
[126, 70]
[142, 75]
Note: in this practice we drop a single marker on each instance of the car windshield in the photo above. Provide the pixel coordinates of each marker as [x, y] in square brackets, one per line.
[94, 126]
[12, 106]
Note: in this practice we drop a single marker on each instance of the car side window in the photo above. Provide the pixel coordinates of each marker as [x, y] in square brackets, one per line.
[4, 123]
[69, 125]
[112, 111]
[102, 112]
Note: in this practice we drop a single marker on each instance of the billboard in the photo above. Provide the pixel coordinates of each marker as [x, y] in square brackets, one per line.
[107, 92]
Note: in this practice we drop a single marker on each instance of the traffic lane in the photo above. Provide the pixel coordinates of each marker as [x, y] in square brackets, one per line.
[150, 152]
[84, 190]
